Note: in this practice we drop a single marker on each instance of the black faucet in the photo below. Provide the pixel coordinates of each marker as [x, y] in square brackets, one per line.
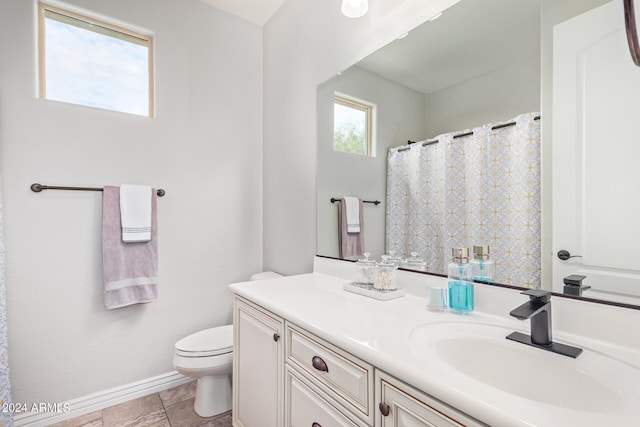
[573, 285]
[538, 309]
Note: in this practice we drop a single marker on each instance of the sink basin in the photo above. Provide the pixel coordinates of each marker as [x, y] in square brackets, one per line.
[592, 382]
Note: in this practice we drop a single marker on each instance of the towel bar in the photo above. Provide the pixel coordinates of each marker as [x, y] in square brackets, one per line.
[36, 188]
[375, 202]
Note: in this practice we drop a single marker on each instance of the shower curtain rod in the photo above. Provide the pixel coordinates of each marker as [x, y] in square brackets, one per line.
[36, 188]
[375, 202]
[435, 141]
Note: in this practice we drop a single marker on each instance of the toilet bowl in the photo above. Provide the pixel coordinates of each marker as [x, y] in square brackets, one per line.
[208, 356]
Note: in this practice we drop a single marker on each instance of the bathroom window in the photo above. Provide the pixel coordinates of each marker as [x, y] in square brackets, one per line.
[88, 62]
[353, 125]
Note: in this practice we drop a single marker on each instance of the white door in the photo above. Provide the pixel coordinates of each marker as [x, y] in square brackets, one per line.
[596, 154]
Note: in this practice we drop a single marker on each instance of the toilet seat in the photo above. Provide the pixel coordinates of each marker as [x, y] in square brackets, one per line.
[210, 342]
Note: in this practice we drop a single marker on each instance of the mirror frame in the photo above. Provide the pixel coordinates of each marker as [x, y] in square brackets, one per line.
[515, 288]
[633, 38]
[631, 26]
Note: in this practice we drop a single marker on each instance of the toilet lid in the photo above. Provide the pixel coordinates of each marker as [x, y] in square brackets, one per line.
[209, 342]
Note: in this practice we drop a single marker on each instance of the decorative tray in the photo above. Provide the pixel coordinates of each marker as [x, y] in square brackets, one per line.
[371, 292]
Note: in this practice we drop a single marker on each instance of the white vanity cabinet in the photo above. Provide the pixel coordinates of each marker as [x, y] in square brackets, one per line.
[258, 364]
[286, 376]
[400, 405]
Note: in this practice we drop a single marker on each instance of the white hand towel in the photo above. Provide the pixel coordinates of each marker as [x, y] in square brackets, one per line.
[135, 213]
[353, 214]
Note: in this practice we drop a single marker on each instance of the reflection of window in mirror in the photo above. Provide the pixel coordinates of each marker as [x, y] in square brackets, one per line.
[353, 125]
[88, 62]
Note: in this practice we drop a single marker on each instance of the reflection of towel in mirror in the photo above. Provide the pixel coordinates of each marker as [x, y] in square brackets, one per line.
[352, 205]
[129, 269]
[351, 245]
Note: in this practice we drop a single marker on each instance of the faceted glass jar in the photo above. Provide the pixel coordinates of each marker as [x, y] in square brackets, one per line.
[365, 269]
[392, 258]
[415, 263]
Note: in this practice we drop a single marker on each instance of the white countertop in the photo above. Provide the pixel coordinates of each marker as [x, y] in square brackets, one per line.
[378, 332]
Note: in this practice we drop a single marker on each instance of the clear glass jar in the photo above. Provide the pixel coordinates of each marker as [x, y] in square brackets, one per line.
[392, 258]
[384, 278]
[364, 271]
[415, 263]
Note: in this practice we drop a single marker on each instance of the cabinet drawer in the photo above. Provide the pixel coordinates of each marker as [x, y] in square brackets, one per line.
[344, 376]
[306, 407]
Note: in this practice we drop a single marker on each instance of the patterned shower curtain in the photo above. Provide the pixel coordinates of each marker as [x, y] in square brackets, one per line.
[480, 189]
[5, 386]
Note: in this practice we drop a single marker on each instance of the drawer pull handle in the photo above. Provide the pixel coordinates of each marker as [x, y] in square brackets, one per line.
[315, 425]
[276, 337]
[319, 364]
[384, 409]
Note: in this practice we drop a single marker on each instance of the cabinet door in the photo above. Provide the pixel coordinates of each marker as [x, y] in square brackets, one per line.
[400, 405]
[257, 366]
[306, 406]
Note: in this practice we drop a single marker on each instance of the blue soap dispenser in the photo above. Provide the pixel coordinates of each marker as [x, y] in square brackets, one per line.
[460, 282]
[481, 264]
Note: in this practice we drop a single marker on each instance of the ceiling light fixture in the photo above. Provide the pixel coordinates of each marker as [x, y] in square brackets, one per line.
[355, 8]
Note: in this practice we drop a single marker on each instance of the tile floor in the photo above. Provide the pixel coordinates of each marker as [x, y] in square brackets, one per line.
[169, 408]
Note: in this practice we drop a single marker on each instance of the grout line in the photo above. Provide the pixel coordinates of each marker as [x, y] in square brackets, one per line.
[164, 409]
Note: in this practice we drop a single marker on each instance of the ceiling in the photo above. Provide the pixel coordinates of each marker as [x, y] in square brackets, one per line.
[255, 11]
[472, 38]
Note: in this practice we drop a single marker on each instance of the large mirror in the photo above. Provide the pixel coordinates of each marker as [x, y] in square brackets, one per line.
[477, 64]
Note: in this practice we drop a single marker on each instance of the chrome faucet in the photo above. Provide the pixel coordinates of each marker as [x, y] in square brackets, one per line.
[538, 309]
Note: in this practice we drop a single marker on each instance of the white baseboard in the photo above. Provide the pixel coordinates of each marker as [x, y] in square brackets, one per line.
[103, 399]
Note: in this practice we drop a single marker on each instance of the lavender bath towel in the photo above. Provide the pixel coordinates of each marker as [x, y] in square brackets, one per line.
[351, 244]
[129, 269]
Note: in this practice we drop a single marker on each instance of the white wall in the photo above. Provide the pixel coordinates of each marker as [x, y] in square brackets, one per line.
[489, 98]
[305, 44]
[400, 113]
[204, 148]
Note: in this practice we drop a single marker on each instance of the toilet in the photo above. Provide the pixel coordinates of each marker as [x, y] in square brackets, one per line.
[208, 356]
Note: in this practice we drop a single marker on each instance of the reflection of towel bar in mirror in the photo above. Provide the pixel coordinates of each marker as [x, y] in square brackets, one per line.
[375, 202]
[435, 141]
[36, 188]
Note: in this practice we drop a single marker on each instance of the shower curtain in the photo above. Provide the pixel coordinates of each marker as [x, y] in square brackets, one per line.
[5, 386]
[480, 189]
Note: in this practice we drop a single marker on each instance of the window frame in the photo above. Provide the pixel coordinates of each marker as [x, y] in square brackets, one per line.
[144, 40]
[369, 110]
